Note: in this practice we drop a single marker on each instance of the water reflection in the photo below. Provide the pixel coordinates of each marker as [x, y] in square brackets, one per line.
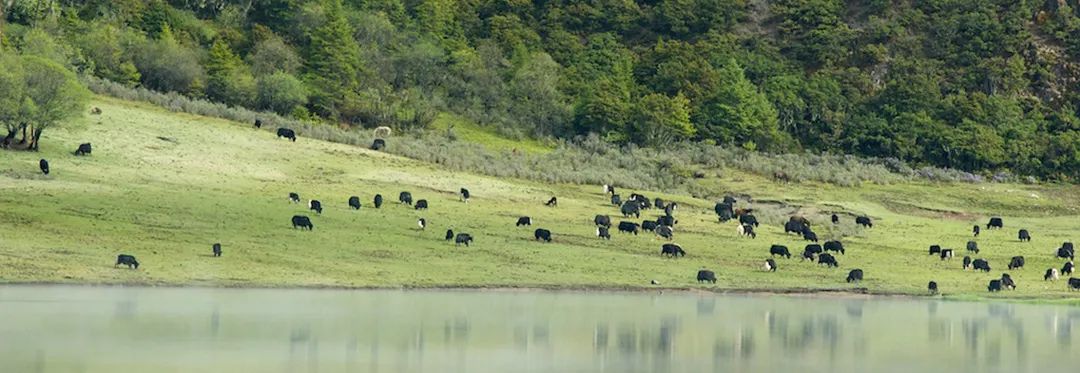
[388, 331]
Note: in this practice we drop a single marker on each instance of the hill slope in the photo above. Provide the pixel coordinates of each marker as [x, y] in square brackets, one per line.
[165, 186]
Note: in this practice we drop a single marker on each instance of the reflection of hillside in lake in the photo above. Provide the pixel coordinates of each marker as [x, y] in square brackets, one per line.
[85, 329]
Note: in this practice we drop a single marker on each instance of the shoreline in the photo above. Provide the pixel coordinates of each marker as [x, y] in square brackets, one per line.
[822, 293]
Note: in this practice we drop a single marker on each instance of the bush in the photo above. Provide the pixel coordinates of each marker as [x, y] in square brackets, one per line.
[168, 66]
[281, 93]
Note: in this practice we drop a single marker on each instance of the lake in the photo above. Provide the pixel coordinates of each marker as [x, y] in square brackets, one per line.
[140, 329]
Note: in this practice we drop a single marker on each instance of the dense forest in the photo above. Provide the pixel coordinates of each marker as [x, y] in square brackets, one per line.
[977, 85]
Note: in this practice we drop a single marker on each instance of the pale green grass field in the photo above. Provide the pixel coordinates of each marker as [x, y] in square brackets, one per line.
[167, 201]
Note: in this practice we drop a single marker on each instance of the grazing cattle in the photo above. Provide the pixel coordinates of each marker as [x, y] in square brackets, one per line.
[631, 208]
[354, 202]
[995, 223]
[602, 220]
[781, 176]
[649, 225]
[770, 265]
[1024, 235]
[659, 203]
[378, 200]
[995, 285]
[44, 165]
[216, 249]
[946, 254]
[378, 144]
[1067, 245]
[669, 210]
[286, 133]
[1067, 269]
[935, 249]
[725, 215]
[975, 230]
[1074, 283]
[932, 287]
[667, 220]
[834, 246]
[302, 222]
[84, 149]
[665, 232]
[464, 195]
[449, 234]
[779, 250]
[609, 189]
[602, 232]
[422, 223]
[864, 221]
[748, 230]
[973, 246]
[828, 260]
[967, 263]
[671, 250]
[616, 200]
[381, 132]
[405, 197]
[1016, 262]
[793, 226]
[294, 198]
[628, 227]
[720, 208]
[1065, 253]
[706, 276]
[421, 205]
[855, 275]
[463, 238]
[730, 200]
[747, 219]
[552, 202]
[1007, 282]
[95, 111]
[1051, 274]
[542, 234]
[807, 255]
[315, 205]
[258, 123]
[813, 248]
[980, 265]
[524, 220]
[810, 236]
[835, 219]
[128, 260]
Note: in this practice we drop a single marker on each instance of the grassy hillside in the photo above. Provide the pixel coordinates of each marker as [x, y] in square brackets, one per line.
[165, 186]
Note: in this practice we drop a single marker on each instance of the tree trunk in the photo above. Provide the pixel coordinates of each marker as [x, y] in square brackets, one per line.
[37, 137]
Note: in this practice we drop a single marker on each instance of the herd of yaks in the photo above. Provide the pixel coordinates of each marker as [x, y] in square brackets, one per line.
[664, 227]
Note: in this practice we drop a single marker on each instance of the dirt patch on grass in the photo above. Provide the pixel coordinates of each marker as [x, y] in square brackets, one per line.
[904, 208]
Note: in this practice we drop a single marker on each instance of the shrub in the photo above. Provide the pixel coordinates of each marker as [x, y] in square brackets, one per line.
[281, 93]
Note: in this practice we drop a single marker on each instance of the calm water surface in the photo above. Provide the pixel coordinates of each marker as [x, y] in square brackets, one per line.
[94, 329]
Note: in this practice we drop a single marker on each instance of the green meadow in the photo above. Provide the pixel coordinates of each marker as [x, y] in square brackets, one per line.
[165, 186]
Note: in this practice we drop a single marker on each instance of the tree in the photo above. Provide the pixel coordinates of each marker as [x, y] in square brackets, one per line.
[229, 80]
[167, 66]
[281, 93]
[333, 64]
[537, 101]
[738, 113]
[51, 94]
[659, 120]
[273, 55]
[12, 96]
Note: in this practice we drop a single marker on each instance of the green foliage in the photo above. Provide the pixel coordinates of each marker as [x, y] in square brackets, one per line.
[37, 93]
[660, 120]
[281, 93]
[167, 66]
[917, 81]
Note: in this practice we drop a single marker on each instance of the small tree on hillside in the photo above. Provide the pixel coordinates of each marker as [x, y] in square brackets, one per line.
[52, 94]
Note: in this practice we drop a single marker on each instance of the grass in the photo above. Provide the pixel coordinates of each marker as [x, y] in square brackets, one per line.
[470, 132]
[165, 186]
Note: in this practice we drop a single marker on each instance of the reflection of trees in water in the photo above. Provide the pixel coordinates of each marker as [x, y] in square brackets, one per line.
[855, 309]
[456, 330]
[706, 306]
[303, 348]
[215, 322]
[600, 338]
